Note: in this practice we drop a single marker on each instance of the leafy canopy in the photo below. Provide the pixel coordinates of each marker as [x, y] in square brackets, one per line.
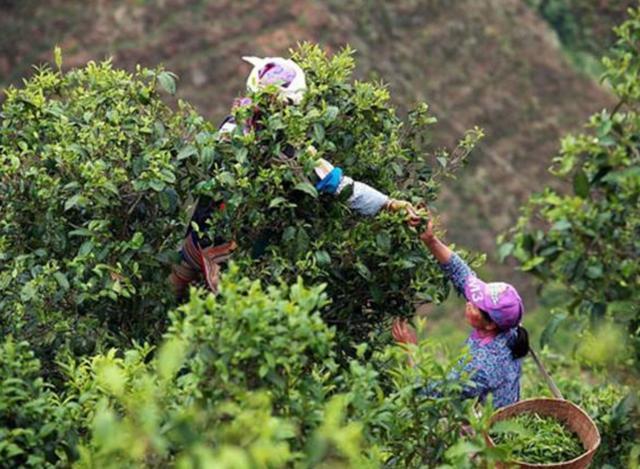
[99, 177]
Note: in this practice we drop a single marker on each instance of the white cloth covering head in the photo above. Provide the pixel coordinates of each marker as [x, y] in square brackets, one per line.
[284, 73]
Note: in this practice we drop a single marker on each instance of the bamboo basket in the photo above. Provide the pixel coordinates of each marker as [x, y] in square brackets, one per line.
[566, 412]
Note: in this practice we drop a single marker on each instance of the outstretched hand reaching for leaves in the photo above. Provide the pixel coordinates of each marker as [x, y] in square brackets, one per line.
[413, 215]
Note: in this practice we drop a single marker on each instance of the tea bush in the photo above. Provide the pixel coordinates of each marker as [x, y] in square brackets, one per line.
[93, 185]
[373, 267]
[36, 428]
[98, 177]
[248, 378]
[97, 181]
[589, 240]
[242, 380]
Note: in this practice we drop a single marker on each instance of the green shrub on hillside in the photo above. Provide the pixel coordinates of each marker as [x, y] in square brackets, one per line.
[234, 379]
[589, 240]
[36, 427]
[249, 378]
[94, 185]
[374, 267]
[98, 177]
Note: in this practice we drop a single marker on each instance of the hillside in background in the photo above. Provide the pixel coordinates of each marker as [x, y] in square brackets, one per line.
[583, 27]
[497, 64]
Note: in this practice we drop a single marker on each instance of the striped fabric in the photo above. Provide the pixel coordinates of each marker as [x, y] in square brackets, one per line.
[197, 262]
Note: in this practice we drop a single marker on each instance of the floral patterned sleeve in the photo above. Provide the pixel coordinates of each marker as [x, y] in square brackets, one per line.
[458, 272]
[478, 384]
[481, 379]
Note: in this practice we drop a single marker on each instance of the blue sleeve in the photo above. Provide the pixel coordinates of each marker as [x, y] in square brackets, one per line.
[458, 272]
[330, 183]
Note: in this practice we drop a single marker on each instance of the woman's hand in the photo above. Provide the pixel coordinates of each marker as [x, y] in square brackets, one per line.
[441, 251]
[428, 236]
[402, 332]
[413, 216]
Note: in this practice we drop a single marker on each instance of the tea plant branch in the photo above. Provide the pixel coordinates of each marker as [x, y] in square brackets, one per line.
[621, 103]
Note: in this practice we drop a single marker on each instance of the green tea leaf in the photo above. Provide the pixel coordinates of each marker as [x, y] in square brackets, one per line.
[581, 184]
[168, 82]
[61, 278]
[318, 132]
[187, 151]
[277, 201]
[307, 188]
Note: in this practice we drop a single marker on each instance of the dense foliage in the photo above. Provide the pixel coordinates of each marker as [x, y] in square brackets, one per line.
[374, 267]
[244, 379]
[98, 177]
[93, 184]
[35, 425]
[589, 240]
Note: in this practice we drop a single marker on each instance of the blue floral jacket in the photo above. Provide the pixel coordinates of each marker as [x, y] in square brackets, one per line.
[492, 369]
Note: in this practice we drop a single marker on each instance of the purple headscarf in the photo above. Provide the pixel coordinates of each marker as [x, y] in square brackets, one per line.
[499, 300]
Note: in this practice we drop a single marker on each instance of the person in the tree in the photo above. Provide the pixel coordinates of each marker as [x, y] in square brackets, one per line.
[201, 256]
[498, 340]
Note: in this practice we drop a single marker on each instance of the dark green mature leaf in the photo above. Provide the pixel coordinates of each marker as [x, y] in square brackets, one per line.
[187, 151]
[207, 155]
[624, 407]
[62, 280]
[363, 270]
[323, 257]
[332, 113]
[318, 132]
[505, 250]
[307, 188]
[581, 184]
[77, 200]
[383, 241]
[276, 201]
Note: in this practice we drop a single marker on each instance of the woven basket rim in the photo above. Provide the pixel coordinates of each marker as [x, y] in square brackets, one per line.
[584, 455]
